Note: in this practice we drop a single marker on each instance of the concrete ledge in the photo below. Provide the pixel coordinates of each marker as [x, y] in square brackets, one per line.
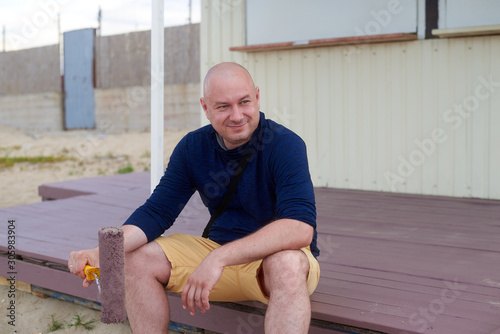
[326, 42]
[41, 111]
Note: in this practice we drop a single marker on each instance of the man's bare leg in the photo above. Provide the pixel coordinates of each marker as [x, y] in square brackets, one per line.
[285, 279]
[147, 273]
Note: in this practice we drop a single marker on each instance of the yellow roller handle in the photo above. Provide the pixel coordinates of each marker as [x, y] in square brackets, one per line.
[90, 272]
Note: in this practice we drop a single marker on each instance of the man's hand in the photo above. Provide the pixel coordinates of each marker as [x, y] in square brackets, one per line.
[200, 283]
[78, 260]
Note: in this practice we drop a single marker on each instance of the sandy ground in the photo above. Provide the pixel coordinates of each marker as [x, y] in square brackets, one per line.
[83, 154]
[87, 154]
[34, 315]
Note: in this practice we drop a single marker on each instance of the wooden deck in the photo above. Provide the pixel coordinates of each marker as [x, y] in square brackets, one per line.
[390, 263]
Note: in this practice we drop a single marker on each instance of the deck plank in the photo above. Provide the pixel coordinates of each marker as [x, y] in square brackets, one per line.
[384, 257]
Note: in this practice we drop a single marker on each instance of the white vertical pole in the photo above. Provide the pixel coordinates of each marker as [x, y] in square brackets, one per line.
[3, 38]
[157, 91]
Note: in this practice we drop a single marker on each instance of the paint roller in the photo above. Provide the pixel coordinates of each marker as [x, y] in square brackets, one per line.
[110, 277]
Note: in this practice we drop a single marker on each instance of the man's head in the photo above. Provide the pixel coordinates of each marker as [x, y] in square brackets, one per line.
[231, 103]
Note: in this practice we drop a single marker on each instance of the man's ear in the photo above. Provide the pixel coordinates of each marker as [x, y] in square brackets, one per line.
[257, 95]
[204, 106]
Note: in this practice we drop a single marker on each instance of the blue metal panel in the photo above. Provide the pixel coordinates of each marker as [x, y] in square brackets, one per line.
[78, 79]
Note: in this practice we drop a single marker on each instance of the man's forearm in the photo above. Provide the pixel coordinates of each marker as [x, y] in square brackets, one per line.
[283, 234]
[133, 238]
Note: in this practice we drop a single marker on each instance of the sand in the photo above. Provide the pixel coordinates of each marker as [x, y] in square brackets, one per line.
[84, 154]
[88, 153]
[33, 315]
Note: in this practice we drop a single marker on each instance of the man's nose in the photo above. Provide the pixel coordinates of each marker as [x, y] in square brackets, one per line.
[236, 115]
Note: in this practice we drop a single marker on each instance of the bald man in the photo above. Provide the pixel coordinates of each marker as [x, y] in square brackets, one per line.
[263, 246]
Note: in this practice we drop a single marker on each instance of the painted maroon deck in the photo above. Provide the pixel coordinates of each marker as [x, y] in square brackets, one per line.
[390, 263]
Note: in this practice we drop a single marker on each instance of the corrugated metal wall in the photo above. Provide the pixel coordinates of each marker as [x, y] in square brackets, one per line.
[79, 79]
[415, 117]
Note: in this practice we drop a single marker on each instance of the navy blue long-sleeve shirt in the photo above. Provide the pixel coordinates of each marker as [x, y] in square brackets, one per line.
[276, 184]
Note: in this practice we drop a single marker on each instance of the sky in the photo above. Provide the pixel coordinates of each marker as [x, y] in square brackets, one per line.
[33, 23]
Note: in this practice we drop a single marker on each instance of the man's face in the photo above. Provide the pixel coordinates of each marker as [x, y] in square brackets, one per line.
[231, 103]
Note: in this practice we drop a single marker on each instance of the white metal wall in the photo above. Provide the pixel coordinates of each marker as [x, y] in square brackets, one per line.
[415, 117]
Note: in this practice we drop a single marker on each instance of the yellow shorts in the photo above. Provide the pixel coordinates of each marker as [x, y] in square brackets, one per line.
[237, 283]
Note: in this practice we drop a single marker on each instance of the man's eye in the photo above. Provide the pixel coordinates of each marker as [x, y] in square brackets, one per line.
[222, 107]
[245, 102]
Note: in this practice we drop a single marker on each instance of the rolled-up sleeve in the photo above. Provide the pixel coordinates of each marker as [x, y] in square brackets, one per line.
[294, 188]
[168, 199]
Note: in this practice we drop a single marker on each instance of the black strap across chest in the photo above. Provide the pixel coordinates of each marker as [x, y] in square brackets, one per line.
[231, 189]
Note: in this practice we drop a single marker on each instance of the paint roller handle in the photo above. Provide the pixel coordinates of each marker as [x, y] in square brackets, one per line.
[91, 273]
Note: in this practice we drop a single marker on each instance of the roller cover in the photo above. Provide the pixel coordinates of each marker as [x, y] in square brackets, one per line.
[112, 268]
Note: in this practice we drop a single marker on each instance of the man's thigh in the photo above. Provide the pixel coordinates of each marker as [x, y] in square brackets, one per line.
[186, 252]
[237, 283]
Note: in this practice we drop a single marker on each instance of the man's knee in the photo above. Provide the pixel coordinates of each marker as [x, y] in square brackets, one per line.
[285, 269]
[148, 260]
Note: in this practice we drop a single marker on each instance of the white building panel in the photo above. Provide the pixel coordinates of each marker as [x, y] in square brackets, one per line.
[414, 117]
[300, 20]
